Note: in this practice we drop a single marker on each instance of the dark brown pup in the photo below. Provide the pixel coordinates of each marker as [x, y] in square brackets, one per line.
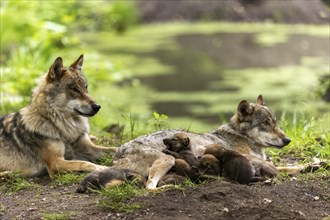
[186, 163]
[233, 165]
[109, 178]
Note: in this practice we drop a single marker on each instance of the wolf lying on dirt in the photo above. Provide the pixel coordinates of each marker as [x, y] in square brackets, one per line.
[252, 128]
[51, 133]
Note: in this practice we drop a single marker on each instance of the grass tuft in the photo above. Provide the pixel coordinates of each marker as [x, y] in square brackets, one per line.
[15, 184]
[68, 178]
[57, 216]
[310, 139]
[118, 198]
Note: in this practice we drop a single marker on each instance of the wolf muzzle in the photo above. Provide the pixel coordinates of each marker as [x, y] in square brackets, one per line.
[286, 141]
[95, 108]
[88, 110]
[167, 142]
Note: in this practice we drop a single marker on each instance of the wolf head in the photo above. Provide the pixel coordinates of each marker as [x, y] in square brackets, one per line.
[66, 91]
[179, 142]
[259, 124]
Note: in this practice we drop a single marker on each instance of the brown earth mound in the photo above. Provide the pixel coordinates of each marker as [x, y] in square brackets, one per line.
[291, 199]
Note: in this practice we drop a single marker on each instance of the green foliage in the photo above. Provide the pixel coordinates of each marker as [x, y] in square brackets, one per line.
[122, 15]
[117, 198]
[132, 124]
[104, 15]
[310, 138]
[106, 161]
[37, 28]
[159, 121]
[324, 87]
[49, 24]
[34, 38]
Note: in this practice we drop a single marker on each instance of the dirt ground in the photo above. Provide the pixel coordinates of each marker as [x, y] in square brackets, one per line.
[290, 199]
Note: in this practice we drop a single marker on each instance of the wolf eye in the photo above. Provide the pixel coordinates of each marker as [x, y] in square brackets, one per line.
[75, 89]
[267, 122]
[175, 140]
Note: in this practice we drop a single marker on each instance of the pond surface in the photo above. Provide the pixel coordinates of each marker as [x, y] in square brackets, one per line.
[197, 79]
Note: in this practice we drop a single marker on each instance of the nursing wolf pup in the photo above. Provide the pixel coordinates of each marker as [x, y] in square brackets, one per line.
[186, 163]
[216, 160]
[251, 129]
[228, 163]
[51, 133]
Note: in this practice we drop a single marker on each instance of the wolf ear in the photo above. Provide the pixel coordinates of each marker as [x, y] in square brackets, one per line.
[186, 141]
[130, 176]
[244, 109]
[78, 63]
[55, 71]
[260, 100]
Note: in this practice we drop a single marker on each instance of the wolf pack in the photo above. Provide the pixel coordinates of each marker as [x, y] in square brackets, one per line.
[51, 135]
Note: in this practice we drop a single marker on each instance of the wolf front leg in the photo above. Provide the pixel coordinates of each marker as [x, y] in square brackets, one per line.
[72, 165]
[158, 169]
[53, 156]
[86, 149]
[86, 142]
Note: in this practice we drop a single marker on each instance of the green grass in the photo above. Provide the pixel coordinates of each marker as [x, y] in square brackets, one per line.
[68, 178]
[58, 216]
[15, 184]
[310, 139]
[117, 198]
[106, 160]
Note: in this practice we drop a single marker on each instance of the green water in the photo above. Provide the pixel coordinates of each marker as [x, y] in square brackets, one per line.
[197, 73]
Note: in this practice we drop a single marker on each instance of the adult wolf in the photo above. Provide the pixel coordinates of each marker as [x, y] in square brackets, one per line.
[51, 133]
[252, 128]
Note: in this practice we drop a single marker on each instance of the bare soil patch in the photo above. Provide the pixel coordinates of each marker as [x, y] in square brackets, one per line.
[290, 199]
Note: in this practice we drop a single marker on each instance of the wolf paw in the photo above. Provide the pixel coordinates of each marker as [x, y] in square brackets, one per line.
[264, 169]
[100, 168]
[166, 151]
[310, 168]
[6, 175]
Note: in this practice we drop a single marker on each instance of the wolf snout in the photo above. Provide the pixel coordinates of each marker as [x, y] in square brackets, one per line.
[95, 107]
[286, 141]
[167, 142]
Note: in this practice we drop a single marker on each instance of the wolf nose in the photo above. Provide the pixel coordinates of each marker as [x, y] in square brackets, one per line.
[286, 141]
[96, 107]
[166, 141]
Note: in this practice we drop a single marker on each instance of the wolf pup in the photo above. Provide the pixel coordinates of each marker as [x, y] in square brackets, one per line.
[109, 178]
[53, 127]
[186, 163]
[232, 164]
[250, 131]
